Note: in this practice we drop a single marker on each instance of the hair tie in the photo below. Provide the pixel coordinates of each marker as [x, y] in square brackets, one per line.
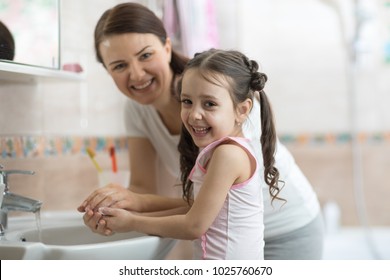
[258, 81]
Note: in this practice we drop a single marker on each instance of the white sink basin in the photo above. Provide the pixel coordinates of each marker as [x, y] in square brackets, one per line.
[65, 237]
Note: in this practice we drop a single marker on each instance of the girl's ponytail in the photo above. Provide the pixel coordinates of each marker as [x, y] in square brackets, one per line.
[268, 137]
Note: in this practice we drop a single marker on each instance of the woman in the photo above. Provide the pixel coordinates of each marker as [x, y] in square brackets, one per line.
[132, 44]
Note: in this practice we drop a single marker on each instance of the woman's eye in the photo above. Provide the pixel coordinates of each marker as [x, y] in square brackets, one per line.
[118, 67]
[186, 101]
[145, 56]
[209, 104]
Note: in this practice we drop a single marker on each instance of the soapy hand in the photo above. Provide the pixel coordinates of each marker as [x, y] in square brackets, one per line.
[115, 220]
[112, 195]
[93, 219]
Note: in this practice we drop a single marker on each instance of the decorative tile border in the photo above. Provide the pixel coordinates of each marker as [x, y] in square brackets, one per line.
[43, 146]
[335, 138]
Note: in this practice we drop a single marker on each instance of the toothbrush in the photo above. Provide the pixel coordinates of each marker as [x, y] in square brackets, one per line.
[92, 157]
[113, 159]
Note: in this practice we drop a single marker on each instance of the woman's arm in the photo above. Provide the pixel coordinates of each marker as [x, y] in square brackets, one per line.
[143, 158]
[142, 162]
[141, 198]
[143, 181]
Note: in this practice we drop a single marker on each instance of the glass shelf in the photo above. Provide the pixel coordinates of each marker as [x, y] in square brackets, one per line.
[11, 71]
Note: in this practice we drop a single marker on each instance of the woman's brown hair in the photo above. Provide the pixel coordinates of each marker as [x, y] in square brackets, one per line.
[134, 18]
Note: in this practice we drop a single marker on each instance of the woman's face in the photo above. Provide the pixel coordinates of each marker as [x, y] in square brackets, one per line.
[139, 65]
[207, 109]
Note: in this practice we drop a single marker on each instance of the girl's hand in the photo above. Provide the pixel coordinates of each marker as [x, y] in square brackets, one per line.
[116, 220]
[112, 195]
[93, 219]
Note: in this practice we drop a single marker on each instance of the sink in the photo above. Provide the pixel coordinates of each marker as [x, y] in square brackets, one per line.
[64, 236]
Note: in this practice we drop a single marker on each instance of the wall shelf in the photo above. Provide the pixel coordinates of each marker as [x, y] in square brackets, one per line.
[14, 72]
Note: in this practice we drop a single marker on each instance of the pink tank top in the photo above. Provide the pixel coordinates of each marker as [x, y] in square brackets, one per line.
[238, 230]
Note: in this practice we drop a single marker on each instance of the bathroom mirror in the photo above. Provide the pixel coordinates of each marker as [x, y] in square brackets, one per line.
[30, 32]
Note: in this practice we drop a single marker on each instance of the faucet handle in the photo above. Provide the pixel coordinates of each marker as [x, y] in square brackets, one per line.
[4, 175]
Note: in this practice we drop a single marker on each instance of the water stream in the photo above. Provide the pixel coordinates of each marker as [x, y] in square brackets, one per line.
[39, 225]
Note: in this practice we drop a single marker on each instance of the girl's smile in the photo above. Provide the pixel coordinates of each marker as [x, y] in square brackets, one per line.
[207, 109]
[201, 130]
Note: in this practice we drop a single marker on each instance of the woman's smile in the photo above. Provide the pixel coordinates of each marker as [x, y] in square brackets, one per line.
[143, 85]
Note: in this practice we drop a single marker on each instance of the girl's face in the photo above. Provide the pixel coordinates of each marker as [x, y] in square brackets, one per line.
[139, 65]
[207, 109]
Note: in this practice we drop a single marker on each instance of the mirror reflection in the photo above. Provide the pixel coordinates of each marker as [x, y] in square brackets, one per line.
[7, 43]
[29, 32]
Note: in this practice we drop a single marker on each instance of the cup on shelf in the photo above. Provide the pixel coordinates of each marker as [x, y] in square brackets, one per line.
[121, 177]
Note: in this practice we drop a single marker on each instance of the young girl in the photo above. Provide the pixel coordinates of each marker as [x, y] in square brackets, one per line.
[220, 175]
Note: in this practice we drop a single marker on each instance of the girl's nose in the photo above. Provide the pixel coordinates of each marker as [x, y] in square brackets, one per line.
[195, 114]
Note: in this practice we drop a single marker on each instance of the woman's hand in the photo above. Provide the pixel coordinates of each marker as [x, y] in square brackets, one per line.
[112, 195]
[116, 196]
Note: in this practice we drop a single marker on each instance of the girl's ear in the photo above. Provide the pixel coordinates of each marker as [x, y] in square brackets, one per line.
[243, 110]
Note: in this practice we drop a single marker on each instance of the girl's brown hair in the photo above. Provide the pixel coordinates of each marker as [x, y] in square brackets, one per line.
[244, 81]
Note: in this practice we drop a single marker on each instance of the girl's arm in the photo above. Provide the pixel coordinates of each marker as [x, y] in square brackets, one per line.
[229, 165]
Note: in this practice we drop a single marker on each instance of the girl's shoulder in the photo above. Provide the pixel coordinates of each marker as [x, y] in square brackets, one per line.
[227, 144]
[232, 147]
[227, 149]
[234, 156]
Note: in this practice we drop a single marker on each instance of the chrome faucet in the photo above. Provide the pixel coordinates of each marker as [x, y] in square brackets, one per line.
[13, 202]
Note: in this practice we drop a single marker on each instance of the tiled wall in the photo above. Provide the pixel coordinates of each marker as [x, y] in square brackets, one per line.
[60, 182]
[331, 170]
[65, 175]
